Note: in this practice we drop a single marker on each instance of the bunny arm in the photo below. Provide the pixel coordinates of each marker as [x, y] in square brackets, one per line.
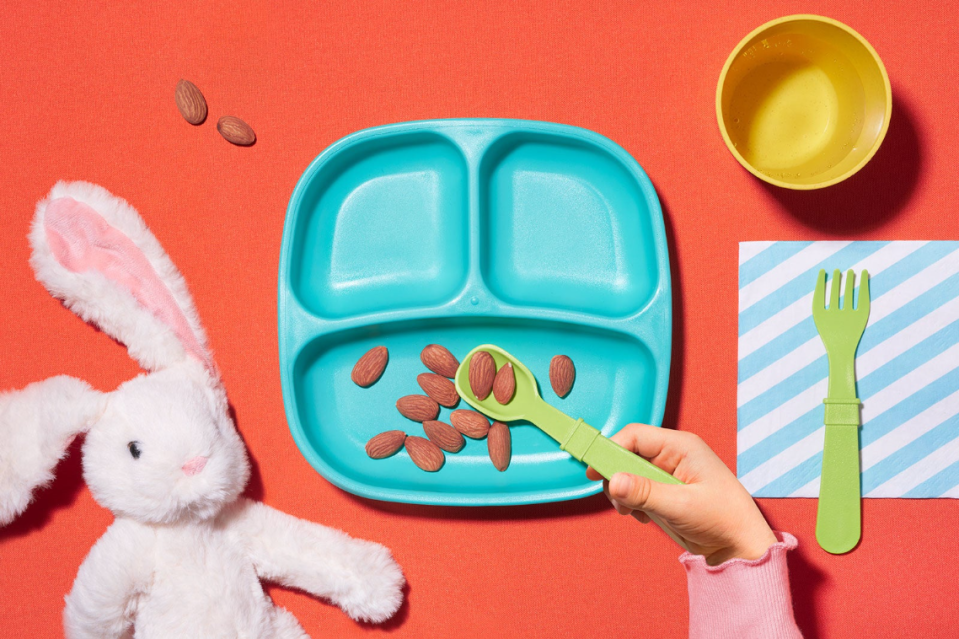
[359, 576]
[118, 569]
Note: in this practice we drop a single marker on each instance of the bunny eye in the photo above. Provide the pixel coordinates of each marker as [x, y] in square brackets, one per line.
[134, 449]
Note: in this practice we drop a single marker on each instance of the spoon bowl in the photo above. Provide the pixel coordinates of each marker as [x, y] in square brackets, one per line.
[526, 394]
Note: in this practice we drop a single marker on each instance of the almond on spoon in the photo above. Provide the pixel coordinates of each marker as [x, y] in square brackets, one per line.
[482, 372]
[504, 385]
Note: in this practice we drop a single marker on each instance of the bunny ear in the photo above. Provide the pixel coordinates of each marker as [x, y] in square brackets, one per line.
[93, 251]
[37, 425]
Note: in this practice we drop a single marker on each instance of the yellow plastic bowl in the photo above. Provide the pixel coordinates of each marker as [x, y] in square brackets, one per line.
[803, 102]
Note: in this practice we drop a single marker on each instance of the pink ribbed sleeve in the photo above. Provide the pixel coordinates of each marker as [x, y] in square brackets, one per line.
[741, 599]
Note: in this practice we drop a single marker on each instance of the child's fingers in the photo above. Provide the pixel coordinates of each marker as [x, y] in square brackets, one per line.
[669, 501]
[642, 439]
[649, 442]
[638, 515]
[622, 510]
[663, 446]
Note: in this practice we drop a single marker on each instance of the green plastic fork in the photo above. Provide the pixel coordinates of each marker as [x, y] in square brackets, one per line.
[838, 521]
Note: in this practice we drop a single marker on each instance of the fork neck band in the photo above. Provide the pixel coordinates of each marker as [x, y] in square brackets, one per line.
[841, 412]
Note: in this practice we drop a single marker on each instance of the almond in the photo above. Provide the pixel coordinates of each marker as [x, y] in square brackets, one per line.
[369, 367]
[482, 373]
[419, 408]
[444, 436]
[470, 423]
[235, 131]
[190, 102]
[562, 374]
[440, 390]
[500, 445]
[439, 360]
[385, 444]
[425, 453]
[504, 385]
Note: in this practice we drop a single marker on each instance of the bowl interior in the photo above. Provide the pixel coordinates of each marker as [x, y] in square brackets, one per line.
[804, 102]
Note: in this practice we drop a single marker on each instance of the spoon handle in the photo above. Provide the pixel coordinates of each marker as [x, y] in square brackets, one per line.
[608, 458]
[588, 445]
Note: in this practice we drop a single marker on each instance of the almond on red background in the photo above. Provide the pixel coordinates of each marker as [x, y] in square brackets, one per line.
[190, 102]
[235, 131]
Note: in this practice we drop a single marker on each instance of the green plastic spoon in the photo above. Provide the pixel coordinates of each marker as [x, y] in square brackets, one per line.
[575, 436]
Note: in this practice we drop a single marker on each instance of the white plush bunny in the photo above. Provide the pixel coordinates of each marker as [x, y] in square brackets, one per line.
[185, 555]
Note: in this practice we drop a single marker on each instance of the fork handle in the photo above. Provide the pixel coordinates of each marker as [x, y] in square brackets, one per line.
[838, 521]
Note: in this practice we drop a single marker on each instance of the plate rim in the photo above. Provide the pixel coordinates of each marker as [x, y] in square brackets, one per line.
[661, 297]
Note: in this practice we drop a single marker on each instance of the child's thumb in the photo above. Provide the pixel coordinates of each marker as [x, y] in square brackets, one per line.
[640, 493]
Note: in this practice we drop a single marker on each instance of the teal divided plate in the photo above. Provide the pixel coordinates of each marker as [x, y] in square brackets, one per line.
[540, 238]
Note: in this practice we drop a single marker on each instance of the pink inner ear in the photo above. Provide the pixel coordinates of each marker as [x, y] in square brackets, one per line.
[82, 241]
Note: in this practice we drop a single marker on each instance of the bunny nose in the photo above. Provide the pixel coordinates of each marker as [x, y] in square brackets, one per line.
[195, 465]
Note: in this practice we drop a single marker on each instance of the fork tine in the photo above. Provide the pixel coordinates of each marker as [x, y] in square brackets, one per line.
[850, 287]
[819, 296]
[863, 292]
[834, 290]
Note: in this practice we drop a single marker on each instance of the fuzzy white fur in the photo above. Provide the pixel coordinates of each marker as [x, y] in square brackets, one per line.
[96, 299]
[36, 426]
[185, 556]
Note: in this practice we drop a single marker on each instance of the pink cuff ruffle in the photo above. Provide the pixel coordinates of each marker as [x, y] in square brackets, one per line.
[741, 598]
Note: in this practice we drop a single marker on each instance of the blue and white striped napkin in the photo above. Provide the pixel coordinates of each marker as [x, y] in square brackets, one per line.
[907, 367]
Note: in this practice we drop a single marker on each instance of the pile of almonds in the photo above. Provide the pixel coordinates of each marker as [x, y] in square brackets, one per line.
[428, 453]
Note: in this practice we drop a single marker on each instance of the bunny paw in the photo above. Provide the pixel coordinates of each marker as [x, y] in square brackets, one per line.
[378, 591]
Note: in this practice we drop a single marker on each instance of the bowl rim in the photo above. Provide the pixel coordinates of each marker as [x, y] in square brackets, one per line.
[799, 17]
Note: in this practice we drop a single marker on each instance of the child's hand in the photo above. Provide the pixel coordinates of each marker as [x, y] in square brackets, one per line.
[712, 512]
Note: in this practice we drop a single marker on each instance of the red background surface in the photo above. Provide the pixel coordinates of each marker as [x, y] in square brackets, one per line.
[86, 92]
